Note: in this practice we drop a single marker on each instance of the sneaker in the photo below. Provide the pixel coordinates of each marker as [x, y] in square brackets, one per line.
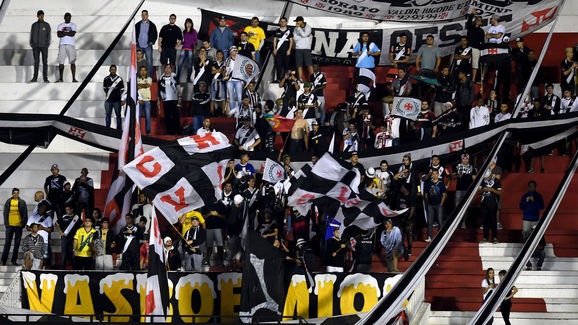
[528, 268]
[483, 241]
[59, 80]
[482, 227]
[74, 80]
[500, 227]
[33, 80]
[531, 171]
[46, 81]
[539, 268]
[409, 251]
[495, 241]
[428, 239]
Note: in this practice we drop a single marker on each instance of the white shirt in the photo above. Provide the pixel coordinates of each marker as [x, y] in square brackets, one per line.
[502, 117]
[202, 132]
[479, 116]
[64, 27]
[47, 223]
[247, 137]
[485, 284]
[170, 87]
[302, 38]
[496, 30]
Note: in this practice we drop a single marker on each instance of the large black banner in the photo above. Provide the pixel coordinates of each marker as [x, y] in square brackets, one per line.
[123, 293]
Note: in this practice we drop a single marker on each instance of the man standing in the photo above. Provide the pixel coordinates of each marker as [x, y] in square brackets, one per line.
[568, 69]
[256, 36]
[54, 187]
[40, 36]
[465, 174]
[302, 36]
[463, 57]
[479, 115]
[15, 218]
[531, 203]
[308, 102]
[245, 48]
[194, 245]
[400, 53]
[33, 248]
[146, 33]
[128, 239]
[299, 133]
[435, 195]
[170, 38]
[464, 97]
[365, 51]
[246, 137]
[476, 38]
[392, 241]
[550, 101]
[444, 92]
[496, 32]
[168, 94]
[67, 226]
[144, 83]
[83, 188]
[83, 246]
[222, 37]
[282, 45]
[491, 190]
[113, 87]
[427, 64]
[523, 71]
[319, 82]
[66, 32]
[234, 85]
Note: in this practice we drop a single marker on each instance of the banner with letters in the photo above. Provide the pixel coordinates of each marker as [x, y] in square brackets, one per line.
[123, 293]
[333, 46]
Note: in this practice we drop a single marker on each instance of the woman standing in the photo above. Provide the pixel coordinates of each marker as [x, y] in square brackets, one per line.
[488, 285]
[506, 305]
[189, 41]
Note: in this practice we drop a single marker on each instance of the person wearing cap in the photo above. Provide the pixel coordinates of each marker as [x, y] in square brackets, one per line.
[256, 36]
[427, 64]
[170, 38]
[550, 101]
[308, 102]
[365, 51]
[172, 257]
[169, 96]
[392, 241]
[357, 165]
[476, 39]
[127, 242]
[201, 102]
[83, 248]
[203, 72]
[435, 194]
[302, 37]
[222, 37]
[244, 47]
[523, 71]
[464, 174]
[146, 34]
[15, 218]
[491, 190]
[54, 187]
[33, 247]
[234, 85]
[67, 225]
[104, 246]
[194, 245]
[371, 183]
[235, 217]
[496, 32]
[317, 139]
[282, 45]
[40, 37]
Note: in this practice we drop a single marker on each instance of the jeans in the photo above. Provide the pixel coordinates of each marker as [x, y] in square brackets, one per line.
[66, 246]
[528, 227]
[434, 213]
[148, 52]
[257, 57]
[172, 122]
[188, 56]
[197, 122]
[146, 105]
[235, 93]
[218, 90]
[488, 212]
[16, 232]
[193, 261]
[108, 106]
[36, 53]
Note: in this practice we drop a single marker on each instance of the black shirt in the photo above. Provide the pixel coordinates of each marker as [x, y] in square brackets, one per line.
[359, 167]
[170, 35]
[64, 221]
[316, 82]
[445, 90]
[279, 34]
[218, 66]
[397, 48]
[246, 49]
[55, 185]
[465, 64]
[333, 245]
[304, 100]
[475, 34]
[114, 94]
[490, 199]
[520, 56]
[318, 142]
[201, 103]
[364, 249]
[565, 65]
[467, 176]
[207, 75]
[449, 123]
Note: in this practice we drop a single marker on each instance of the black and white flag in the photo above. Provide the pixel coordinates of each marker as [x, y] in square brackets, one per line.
[365, 82]
[183, 175]
[262, 291]
[157, 284]
[364, 216]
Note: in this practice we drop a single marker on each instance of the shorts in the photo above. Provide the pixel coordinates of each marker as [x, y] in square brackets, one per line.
[35, 261]
[214, 235]
[64, 51]
[303, 57]
[475, 58]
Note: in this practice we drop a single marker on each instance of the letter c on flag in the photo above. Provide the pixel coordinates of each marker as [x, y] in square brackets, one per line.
[148, 173]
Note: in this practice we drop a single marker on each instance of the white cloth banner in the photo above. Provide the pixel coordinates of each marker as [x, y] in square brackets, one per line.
[245, 69]
[273, 172]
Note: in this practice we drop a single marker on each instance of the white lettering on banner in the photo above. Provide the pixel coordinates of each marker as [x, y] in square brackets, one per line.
[149, 167]
[352, 40]
[178, 200]
[321, 45]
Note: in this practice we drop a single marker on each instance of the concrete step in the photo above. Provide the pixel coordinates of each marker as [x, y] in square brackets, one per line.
[51, 91]
[70, 161]
[507, 249]
[561, 305]
[83, 56]
[459, 317]
[59, 145]
[21, 74]
[31, 178]
[550, 263]
[84, 41]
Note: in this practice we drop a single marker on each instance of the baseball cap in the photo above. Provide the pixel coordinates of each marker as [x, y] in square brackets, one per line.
[314, 123]
[299, 18]
[223, 17]
[195, 218]
[54, 166]
[496, 17]
[285, 156]
[238, 199]
[306, 84]
[301, 241]
[465, 155]
[233, 48]
[354, 153]
[519, 39]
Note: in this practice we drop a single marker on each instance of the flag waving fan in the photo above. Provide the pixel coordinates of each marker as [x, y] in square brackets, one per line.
[182, 175]
[157, 284]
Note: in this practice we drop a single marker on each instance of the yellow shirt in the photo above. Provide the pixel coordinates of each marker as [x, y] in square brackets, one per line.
[14, 217]
[145, 93]
[187, 224]
[83, 242]
[255, 36]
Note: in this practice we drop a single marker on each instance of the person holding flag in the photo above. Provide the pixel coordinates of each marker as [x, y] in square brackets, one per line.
[365, 51]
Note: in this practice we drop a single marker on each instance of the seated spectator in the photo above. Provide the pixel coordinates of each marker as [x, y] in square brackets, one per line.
[504, 114]
[246, 137]
[550, 101]
[444, 92]
[194, 245]
[83, 246]
[298, 140]
[335, 257]
[206, 127]
[435, 194]
[15, 218]
[201, 102]
[539, 254]
[526, 107]
[104, 246]
[218, 88]
[479, 115]
[350, 138]
[538, 110]
[172, 257]
[424, 127]
[531, 203]
[34, 248]
[391, 240]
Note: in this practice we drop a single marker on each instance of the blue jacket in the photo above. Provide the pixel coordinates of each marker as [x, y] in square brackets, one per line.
[532, 209]
[222, 40]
